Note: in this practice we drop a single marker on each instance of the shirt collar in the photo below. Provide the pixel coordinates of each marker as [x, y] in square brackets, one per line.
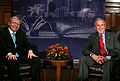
[11, 31]
[103, 34]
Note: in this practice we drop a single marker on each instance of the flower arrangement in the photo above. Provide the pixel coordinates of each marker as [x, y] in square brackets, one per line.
[58, 51]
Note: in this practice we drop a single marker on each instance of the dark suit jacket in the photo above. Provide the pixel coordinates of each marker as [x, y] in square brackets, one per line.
[8, 46]
[112, 44]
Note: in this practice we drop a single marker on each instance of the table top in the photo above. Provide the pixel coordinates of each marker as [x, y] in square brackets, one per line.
[61, 62]
[66, 60]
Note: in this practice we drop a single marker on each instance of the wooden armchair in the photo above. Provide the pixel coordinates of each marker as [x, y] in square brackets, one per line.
[96, 71]
[24, 72]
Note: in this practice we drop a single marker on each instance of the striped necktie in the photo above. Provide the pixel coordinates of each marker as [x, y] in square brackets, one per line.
[14, 40]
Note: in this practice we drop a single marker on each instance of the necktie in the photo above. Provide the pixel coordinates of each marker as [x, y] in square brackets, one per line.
[102, 49]
[14, 40]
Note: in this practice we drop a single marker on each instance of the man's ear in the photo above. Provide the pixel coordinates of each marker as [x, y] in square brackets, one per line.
[95, 27]
[105, 27]
[9, 23]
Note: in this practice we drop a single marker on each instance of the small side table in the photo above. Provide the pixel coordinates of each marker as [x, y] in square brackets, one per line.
[58, 64]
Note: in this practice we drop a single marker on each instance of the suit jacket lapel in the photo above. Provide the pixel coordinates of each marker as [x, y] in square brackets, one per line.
[107, 40]
[96, 40]
[17, 37]
[9, 38]
[98, 46]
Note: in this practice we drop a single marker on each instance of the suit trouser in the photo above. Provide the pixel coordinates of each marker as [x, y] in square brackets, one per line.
[13, 68]
[107, 67]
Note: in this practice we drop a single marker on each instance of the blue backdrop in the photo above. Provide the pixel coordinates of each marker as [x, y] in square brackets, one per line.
[69, 22]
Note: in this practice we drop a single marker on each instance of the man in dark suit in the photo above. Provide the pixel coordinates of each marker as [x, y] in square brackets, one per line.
[101, 48]
[17, 49]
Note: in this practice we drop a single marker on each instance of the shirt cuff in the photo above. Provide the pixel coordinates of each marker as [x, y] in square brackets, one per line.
[8, 54]
[91, 54]
[108, 57]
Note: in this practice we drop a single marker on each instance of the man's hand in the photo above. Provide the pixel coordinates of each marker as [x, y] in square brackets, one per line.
[99, 59]
[95, 57]
[105, 59]
[31, 54]
[12, 57]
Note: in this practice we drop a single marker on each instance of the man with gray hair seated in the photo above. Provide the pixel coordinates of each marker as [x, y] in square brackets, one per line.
[17, 49]
[101, 48]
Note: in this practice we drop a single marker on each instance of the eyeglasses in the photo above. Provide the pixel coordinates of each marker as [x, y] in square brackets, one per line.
[15, 23]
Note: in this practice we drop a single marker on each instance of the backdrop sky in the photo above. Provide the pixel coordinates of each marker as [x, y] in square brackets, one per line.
[69, 22]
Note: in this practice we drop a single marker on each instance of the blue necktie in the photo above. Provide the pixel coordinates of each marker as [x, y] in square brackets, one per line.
[14, 40]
